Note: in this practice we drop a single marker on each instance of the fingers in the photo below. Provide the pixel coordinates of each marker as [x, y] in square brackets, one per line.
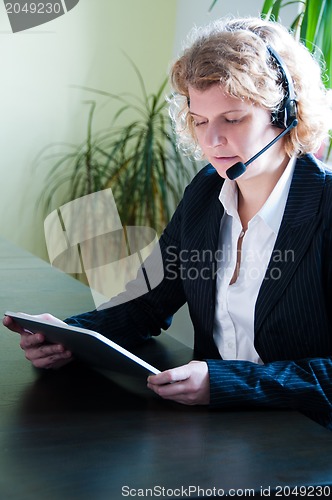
[49, 317]
[41, 354]
[31, 340]
[188, 384]
[15, 327]
[10, 323]
[170, 376]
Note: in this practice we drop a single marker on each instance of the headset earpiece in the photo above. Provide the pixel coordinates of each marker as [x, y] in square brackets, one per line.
[287, 113]
[285, 118]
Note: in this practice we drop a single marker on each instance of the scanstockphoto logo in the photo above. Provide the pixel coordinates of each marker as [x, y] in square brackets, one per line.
[24, 15]
[86, 236]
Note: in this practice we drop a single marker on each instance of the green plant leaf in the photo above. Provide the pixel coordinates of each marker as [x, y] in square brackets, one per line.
[270, 9]
[212, 5]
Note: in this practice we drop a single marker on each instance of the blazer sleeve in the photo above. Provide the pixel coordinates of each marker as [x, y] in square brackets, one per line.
[304, 385]
[130, 319]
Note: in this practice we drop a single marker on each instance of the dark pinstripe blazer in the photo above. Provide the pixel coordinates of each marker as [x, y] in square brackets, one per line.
[293, 314]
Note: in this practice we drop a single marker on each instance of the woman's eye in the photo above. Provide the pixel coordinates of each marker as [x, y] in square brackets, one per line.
[198, 124]
[233, 121]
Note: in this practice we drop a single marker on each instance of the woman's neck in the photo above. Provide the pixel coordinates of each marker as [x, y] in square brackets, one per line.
[254, 191]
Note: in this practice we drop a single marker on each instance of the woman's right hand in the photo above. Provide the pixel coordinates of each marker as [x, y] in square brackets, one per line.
[41, 353]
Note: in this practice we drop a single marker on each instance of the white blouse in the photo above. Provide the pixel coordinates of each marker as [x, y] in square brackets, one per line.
[235, 303]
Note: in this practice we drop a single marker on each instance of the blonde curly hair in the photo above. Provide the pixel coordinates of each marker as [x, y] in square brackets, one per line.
[233, 53]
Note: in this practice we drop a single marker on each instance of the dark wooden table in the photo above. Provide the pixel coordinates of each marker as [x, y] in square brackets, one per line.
[76, 434]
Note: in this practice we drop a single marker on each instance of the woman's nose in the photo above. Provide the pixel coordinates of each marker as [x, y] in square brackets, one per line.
[214, 137]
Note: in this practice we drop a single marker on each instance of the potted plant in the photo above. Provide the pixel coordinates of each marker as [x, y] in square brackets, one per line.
[139, 161]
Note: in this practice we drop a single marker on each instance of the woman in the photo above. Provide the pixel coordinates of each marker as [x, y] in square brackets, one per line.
[251, 255]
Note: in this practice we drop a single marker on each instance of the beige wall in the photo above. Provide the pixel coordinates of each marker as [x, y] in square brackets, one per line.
[38, 104]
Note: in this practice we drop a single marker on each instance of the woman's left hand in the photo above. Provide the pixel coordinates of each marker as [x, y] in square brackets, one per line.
[188, 384]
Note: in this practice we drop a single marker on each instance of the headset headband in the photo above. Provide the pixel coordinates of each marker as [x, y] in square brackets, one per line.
[287, 113]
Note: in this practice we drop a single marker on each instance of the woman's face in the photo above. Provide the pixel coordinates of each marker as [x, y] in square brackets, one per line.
[230, 130]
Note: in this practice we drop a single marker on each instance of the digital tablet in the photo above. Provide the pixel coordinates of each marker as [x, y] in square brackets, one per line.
[87, 345]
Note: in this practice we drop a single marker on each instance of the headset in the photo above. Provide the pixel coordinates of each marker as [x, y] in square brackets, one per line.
[287, 112]
[284, 117]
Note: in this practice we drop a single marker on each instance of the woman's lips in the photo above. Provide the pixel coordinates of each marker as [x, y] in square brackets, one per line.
[225, 159]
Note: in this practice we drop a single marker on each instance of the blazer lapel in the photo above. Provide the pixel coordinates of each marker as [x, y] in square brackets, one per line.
[296, 231]
[211, 242]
